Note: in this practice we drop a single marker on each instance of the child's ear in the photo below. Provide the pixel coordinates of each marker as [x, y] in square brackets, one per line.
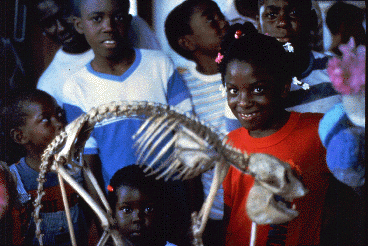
[18, 136]
[186, 42]
[78, 25]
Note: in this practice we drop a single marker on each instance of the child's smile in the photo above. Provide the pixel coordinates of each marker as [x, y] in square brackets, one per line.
[254, 98]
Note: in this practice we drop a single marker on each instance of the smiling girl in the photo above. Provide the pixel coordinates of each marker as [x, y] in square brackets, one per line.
[257, 73]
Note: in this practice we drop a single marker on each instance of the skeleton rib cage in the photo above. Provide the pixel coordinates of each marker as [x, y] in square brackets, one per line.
[65, 156]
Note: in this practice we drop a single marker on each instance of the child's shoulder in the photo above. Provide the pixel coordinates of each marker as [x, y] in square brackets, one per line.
[307, 124]
[310, 117]
[152, 53]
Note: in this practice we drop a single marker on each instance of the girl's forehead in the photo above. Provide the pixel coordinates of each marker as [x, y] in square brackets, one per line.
[244, 73]
[236, 67]
[42, 104]
[127, 193]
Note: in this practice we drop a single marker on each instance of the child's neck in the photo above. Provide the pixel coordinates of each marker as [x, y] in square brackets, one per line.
[114, 66]
[33, 161]
[206, 64]
[274, 126]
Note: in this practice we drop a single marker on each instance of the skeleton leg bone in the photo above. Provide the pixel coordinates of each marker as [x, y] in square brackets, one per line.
[67, 211]
[199, 221]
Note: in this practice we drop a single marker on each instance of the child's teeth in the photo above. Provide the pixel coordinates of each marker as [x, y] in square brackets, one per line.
[109, 42]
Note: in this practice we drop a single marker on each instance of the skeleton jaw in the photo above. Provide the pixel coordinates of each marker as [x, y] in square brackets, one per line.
[263, 207]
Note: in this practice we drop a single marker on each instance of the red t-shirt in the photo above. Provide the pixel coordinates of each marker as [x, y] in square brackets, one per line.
[297, 142]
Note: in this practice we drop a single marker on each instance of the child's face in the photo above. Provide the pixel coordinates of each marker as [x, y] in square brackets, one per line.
[209, 26]
[42, 123]
[284, 20]
[105, 25]
[57, 23]
[136, 215]
[254, 97]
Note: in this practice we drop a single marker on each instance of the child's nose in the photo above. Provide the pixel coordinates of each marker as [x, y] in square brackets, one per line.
[282, 20]
[58, 125]
[245, 100]
[137, 215]
[107, 25]
[60, 26]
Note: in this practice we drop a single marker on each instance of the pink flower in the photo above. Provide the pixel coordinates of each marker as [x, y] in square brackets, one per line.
[347, 74]
[219, 58]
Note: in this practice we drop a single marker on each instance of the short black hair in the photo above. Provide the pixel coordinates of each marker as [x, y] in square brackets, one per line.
[77, 4]
[134, 176]
[305, 4]
[248, 8]
[177, 25]
[342, 12]
[257, 49]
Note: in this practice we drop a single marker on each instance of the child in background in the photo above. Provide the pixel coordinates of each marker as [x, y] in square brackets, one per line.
[292, 21]
[31, 120]
[138, 204]
[195, 29]
[8, 199]
[55, 17]
[120, 72]
[345, 21]
[257, 73]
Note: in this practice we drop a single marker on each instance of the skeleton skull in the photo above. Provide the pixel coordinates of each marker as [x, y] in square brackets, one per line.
[274, 184]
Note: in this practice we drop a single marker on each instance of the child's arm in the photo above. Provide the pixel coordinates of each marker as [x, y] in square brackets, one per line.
[4, 195]
[7, 190]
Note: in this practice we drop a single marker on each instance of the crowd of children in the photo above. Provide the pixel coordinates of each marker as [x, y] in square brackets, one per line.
[240, 80]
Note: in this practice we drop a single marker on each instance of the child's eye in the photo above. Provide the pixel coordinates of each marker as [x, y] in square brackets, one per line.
[96, 18]
[232, 91]
[126, 210]
[293, 14]
[258, 90]
[210, 18]
[149, 209]
[120, 18]
[271, 15]
[45, 120]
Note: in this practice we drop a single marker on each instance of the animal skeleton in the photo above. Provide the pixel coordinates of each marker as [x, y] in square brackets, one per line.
[198, 148]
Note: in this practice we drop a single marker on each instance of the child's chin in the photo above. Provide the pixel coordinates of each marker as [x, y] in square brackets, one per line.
[139, 240]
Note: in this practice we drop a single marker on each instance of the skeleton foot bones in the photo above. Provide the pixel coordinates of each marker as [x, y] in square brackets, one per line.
[198, 148]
